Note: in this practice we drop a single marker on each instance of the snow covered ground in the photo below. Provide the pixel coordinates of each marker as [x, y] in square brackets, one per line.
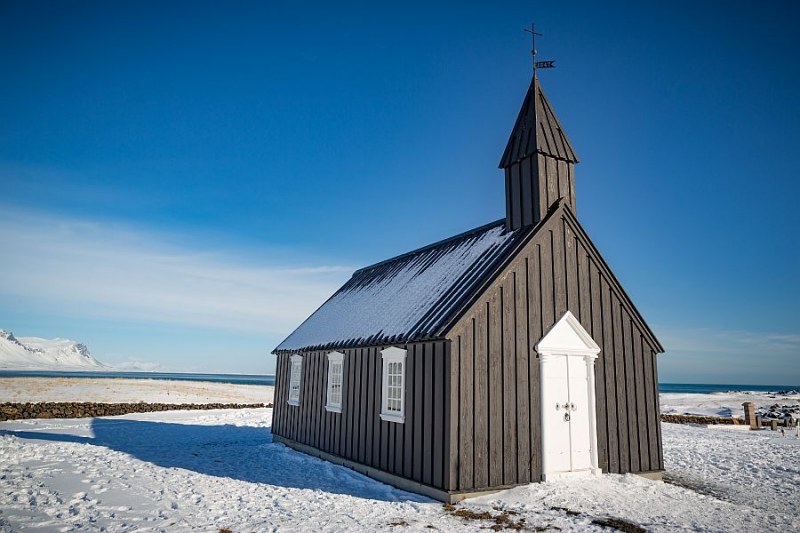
[723, 403]
[206, 470]
[120, 390]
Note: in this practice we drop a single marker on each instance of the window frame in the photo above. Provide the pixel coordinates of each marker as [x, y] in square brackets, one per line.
[292, 360]
[334, 359]
[388, 357]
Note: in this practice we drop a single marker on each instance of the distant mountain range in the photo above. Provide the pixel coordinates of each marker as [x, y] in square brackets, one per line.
[33, 353]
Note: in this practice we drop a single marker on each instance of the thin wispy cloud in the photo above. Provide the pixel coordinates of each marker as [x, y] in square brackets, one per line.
[710, 341]
[711, 355]
[87, 268]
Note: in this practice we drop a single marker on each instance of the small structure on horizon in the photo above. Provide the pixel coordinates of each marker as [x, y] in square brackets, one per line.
[504, 355]
[750, 417]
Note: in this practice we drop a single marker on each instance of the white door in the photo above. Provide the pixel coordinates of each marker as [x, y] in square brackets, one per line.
[557, 431]
[569, 438]
[567, 426]
[580, 441]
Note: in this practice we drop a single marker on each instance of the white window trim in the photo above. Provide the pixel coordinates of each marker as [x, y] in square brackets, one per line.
[393, 355]
[292, 360]
[334, 358]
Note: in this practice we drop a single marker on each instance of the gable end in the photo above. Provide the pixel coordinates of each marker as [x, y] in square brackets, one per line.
[495, 364]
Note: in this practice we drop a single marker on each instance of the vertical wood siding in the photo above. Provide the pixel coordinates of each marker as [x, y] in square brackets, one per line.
[417, 449]
[473, 414]
[533, 184]
[496, 369]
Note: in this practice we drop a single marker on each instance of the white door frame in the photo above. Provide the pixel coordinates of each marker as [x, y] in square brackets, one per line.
[568, 338]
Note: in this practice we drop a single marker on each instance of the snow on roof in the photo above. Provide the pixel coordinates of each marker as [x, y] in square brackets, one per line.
[409, 297]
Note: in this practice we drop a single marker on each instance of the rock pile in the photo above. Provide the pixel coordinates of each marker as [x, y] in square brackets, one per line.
[697, 419]
[779, 412]
[18, 411]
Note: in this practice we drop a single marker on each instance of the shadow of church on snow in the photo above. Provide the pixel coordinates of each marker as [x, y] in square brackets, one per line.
[241, 453]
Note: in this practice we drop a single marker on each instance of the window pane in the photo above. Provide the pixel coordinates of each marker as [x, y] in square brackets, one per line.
[393, 386]
[295, 375]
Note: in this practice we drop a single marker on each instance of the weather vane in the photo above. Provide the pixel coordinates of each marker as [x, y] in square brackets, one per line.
[537, 64]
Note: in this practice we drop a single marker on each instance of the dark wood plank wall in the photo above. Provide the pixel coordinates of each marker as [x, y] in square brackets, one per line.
[416, 449]
[535, 183]
[496, 370]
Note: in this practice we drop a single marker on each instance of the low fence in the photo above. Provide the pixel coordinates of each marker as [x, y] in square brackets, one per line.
[721, 420]
[697, 419]
[18, 411]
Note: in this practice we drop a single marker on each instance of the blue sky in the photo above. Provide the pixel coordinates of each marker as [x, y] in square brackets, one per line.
[182, 183]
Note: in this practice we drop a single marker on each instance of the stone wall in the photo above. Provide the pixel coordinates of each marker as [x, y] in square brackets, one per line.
[697, 419]
[18, 411]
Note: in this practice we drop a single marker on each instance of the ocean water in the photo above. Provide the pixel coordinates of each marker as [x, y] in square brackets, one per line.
[706, 388]
[241, 379]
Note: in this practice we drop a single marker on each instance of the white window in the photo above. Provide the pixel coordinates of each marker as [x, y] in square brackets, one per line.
[295, 377]
[335, 368]
[393, 379]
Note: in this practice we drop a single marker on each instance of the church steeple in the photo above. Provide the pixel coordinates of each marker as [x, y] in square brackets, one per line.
[539, 162]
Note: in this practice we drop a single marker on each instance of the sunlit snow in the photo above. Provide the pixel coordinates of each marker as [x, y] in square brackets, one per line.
[207, 470]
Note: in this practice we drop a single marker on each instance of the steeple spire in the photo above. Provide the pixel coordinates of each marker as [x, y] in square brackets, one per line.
[537, 130]
[533, 33]
[538, 161]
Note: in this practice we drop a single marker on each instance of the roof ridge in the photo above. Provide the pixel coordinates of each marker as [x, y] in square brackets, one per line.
[480, 229]
[404, 298]
[488, 277]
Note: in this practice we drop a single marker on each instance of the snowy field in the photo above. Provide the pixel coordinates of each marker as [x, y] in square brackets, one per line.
[30, 389]
[723, 403]
[207, 470]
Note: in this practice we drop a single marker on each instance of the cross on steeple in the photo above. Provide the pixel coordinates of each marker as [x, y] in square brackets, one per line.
[533, 33]
[539, 159]
[537, 64]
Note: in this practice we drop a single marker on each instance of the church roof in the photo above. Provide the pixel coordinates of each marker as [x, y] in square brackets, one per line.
[410, 297]
[537, 130]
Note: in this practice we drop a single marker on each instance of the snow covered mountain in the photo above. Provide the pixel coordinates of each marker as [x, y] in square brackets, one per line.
[33, 353]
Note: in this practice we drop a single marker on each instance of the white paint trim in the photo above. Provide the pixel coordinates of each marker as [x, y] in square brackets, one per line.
[334, 358]
[292, 360]
[393, 418]
[544, 396]
[548, 345]
[565, 351]
[391, 355]
[589, 359]
[550, 348]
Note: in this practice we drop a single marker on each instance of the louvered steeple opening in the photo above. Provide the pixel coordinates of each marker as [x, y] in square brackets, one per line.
[539, 162]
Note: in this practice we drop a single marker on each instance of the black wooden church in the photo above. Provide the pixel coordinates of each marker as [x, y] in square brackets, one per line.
[504, 355]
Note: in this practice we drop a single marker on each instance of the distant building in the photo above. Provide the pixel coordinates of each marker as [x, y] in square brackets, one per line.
[503, 355]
